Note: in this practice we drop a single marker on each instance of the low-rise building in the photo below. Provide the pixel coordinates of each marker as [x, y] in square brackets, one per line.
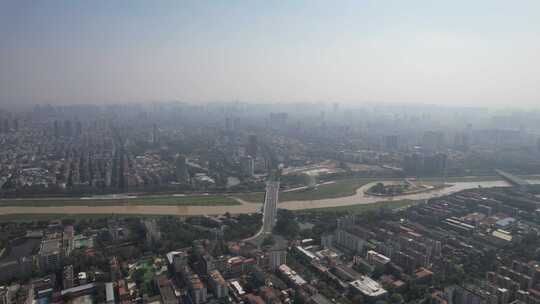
[370, 289]
[166, 290]
[197, 290]
[291, 276]
[50, 254]
[218, 285]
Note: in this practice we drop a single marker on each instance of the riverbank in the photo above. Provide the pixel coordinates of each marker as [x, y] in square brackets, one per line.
[427, 188]
[336, 189]
[165, 200]
[359, 198]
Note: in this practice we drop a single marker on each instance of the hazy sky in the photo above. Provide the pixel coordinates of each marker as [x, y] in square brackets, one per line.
[471, 52]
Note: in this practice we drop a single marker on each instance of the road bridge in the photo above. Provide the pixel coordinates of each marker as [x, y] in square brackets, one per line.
[512, 179]
[269, 213]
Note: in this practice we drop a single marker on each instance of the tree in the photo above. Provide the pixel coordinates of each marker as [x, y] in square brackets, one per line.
[377, 188]
[362, 268]
[138, 276]
[377, 272]
[286, 224]
[396, 298]
[268, 241]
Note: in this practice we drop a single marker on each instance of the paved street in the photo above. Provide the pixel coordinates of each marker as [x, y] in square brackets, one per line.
[269, 212]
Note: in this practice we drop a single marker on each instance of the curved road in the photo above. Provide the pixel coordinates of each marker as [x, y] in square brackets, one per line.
[269, 213]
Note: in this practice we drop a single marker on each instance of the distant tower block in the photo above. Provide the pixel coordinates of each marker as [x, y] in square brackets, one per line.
[228, 124]
[251, 148]
[391, 142]
[433, 141]
[247, 165]
[56, 129]
[78, 128]
[68, 131]
[155, 134]
[182, 175]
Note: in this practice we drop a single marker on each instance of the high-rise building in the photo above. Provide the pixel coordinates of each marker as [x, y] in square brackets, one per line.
[67, 128]
[228, 124]
[68, 277]
[433, 141]
[391, 142]
[78, 128]
[236, 123]
[155, 134]
[413, 164]
[247, 165]
[276, 258]
[252, 146]
[462, 141]
[435, 164]
[50, 254]
[182, 175]
[56, 129]
[419, 164]
[376, 259]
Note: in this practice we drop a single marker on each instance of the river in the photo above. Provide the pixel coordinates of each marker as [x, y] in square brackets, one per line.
[359, 198]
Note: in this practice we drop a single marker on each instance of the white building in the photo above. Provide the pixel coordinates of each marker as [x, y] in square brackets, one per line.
[368, 288]
[376, 259]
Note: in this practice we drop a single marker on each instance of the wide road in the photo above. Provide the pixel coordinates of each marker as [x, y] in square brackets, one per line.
[269, 213]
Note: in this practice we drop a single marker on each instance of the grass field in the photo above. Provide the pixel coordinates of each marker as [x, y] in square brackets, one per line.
[340, 188]
[24, 217]
[342, 209]
[474, 178]
[365, 207]
[149, 200]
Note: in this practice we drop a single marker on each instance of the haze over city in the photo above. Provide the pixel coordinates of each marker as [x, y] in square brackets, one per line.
[474, 53]
[269, 152]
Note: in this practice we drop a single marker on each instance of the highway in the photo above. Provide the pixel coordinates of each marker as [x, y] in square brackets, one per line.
[271, 200]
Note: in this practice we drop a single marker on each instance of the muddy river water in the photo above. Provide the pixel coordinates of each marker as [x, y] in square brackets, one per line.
[359, 198]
